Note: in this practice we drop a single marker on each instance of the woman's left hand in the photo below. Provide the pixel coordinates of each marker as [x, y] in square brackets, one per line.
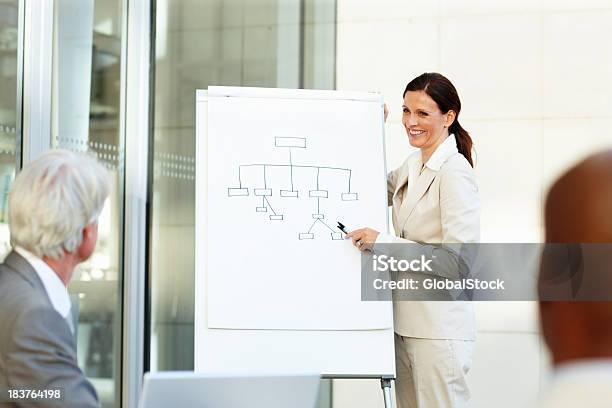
[363, 238]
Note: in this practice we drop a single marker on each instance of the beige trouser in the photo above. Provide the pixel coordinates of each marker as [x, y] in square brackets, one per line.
[432, 373]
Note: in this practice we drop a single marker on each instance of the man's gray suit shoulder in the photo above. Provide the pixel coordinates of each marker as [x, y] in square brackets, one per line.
[36, 345]
[18, 298]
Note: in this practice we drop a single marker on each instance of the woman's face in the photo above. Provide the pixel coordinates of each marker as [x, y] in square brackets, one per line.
[426, 126]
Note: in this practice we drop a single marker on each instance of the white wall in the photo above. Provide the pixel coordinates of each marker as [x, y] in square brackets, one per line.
[535, 79]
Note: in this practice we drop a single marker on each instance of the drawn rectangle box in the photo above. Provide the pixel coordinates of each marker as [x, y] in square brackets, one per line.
[318, 193]
[318, 216]
[276, 217]
[349, 197]
[261, 209]
[336, 236]
[290, 142]
[263, 192]
[237, 192]
[288, 193]
[306, 236]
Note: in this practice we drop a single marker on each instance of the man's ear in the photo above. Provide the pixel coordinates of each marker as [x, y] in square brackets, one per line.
[88, 242]
[88, 231]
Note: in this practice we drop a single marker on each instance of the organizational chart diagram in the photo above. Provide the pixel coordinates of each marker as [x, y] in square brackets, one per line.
[265, 191]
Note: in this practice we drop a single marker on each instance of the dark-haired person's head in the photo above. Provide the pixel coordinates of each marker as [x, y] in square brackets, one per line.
[578, 210]
[431, 112]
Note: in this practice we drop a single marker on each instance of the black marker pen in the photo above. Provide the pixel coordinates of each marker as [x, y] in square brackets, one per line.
[342, 227]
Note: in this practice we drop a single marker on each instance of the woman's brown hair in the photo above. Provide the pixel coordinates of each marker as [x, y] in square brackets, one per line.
[443, 92]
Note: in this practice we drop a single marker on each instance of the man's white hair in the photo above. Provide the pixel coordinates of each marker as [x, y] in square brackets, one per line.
[53, 198]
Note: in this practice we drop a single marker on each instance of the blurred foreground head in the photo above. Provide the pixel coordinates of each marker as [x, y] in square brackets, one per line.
[578, 210]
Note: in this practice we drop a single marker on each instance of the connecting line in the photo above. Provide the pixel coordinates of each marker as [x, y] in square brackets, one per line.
[330, 228]
[291, 166]
[313, 224]
[349, 186]
[295, 165]
[318, 206]
[274, 212]
[291, 169]
[239, 177]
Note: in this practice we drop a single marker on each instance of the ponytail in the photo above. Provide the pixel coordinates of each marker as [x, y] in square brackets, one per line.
[464, 141]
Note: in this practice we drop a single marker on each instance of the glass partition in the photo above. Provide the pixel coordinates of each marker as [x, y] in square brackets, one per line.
[87, 61]
[266, 43]
[10, 109]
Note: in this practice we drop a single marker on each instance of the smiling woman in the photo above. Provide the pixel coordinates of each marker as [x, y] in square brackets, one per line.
[424, 122]
[435, 201]
[431, 111]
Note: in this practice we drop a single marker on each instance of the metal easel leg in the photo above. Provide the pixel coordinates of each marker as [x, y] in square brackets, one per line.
[385, 384]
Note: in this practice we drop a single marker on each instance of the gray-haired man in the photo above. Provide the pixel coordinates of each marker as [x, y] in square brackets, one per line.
[53, 209]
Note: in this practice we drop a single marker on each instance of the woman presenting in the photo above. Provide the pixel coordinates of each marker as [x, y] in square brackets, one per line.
[435, 201]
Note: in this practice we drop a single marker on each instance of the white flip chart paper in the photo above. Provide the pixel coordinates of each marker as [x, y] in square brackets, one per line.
[283, 168]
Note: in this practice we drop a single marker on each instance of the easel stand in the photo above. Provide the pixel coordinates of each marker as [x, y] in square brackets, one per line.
[385, 384]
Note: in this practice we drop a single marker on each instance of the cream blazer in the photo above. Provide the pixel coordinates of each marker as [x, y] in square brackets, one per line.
[435, 203]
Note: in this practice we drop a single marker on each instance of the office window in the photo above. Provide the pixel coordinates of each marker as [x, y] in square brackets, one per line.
[86, 115]
[267, 43]
[10, 111]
